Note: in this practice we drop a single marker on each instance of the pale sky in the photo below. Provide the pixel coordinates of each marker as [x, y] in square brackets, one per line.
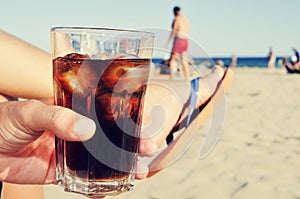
[220, 27]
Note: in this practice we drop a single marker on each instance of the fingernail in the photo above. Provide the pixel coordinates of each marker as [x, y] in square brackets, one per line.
[84, 127]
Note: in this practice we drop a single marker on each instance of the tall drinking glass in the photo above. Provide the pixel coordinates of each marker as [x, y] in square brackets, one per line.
[102, 74]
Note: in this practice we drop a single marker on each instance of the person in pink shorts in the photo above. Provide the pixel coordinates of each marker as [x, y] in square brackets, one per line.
[180, 30]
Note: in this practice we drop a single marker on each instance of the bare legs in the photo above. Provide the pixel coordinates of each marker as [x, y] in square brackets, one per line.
[186, 66]
[184, 63]
[155, 136]
[209, 83]
[173, 68]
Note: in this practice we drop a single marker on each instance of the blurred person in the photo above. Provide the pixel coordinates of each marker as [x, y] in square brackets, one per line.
[296, 53]
[293, 66]
[179, 35]
[271, 58]
[233, 61]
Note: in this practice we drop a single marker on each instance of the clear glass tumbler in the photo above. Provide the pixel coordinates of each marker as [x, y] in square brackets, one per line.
[102, 74]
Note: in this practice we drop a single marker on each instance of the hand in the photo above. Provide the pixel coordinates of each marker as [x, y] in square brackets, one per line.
[27, 144]
[27, 141]
[27, 154]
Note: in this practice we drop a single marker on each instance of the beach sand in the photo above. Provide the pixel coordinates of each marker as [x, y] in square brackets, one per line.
[256, 156]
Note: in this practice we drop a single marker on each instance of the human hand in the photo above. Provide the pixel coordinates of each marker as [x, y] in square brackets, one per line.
[27, 132]
[27, 141]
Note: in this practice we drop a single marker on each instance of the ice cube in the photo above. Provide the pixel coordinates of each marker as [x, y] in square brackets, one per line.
[62, 65]
[124, 78]
[108, 106]
[112, 75]
[82, 81]
[87, 76]
[132, 80]
[69, 82]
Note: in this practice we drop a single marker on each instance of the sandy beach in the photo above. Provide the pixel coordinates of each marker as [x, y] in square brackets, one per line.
[256, 156]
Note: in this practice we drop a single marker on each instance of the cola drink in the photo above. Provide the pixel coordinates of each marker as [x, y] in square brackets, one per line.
[110, 92]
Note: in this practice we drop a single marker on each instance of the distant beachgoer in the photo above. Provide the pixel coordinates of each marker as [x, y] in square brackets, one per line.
[296, 54]
[293, 66]
[219, 62]
[233, 61]
[180, 30]
[271, 59]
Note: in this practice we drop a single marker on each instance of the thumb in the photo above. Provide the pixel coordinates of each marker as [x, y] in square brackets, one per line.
[33, 117]
[63, 122]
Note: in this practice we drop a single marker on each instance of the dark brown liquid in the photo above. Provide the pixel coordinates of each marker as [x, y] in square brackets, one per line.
[110, 92]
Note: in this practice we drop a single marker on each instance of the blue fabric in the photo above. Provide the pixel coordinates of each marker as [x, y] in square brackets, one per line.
[192, 103]
[193, 98]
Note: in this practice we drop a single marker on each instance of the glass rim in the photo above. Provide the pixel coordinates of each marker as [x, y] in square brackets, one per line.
[82, 28]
